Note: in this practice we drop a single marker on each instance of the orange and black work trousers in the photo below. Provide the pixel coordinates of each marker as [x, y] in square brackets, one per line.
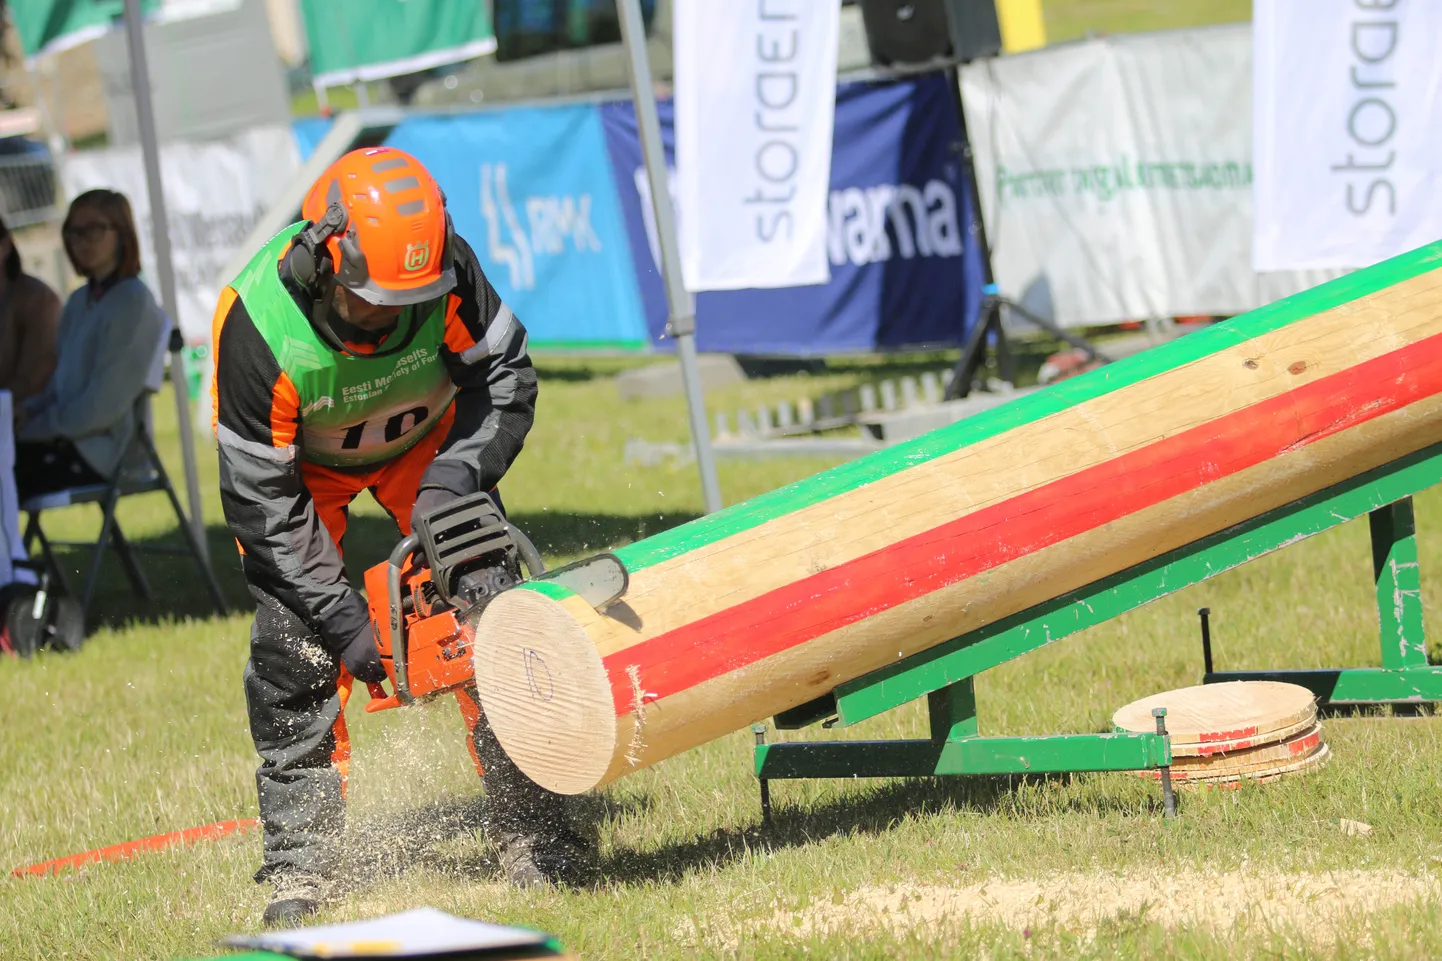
[296, 692]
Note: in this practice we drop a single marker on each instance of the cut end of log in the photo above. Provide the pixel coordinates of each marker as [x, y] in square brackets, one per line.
[1234, 711]
[544, 689]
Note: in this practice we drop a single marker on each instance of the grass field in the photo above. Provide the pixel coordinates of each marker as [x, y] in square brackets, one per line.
[144, 731]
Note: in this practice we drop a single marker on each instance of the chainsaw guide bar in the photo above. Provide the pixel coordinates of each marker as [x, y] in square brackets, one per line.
[599, 581]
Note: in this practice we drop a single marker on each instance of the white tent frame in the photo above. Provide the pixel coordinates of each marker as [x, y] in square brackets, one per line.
[165, 270]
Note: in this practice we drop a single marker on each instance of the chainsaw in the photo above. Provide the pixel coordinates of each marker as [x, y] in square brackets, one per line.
[426, 599]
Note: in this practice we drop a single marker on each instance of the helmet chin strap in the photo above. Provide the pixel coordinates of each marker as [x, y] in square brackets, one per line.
[320, 314]
[311, 267]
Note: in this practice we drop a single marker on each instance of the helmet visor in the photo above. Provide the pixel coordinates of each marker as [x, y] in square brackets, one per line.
[373, 293]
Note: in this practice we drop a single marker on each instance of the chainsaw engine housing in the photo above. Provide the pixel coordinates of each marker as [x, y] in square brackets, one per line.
[424, 601]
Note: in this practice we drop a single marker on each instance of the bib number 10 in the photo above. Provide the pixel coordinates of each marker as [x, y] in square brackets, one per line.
[396, 427]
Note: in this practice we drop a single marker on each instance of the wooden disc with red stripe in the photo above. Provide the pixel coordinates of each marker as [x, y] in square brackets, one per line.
[1245, 714]
[1210, 748]
[1303, 765]
[1251, 760]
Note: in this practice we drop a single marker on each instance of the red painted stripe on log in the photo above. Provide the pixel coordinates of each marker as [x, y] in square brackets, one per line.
[988, 538]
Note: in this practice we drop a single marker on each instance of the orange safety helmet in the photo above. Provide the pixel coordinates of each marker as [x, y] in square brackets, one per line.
[393, 246]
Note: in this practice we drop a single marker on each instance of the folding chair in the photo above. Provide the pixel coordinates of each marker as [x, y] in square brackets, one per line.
[128, 482]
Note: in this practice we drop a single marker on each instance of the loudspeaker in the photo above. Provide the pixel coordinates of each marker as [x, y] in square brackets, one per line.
[923, 30]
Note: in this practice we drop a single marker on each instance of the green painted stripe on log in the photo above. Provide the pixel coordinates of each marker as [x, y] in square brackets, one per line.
[1069, 393]
[555, 592]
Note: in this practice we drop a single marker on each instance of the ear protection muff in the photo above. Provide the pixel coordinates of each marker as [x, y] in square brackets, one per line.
[310, 260]
[311, 267]
[302, 265]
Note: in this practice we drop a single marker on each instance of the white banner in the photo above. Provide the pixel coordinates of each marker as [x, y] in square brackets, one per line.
[214, 193]
[755, 94]
[1116, 176]
[1349, 143]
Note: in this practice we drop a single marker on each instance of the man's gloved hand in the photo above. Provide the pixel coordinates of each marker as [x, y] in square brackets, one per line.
[429, 499]
[361, 658]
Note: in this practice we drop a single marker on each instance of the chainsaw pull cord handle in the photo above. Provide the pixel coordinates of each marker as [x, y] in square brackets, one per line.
[399, 653]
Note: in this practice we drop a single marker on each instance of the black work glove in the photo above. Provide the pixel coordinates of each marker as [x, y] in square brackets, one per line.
[429, 499]
[361, 658]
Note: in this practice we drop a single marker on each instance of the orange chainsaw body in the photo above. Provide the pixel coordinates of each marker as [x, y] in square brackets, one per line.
[438, 646]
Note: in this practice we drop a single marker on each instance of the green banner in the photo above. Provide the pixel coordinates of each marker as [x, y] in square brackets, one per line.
[354, 40]
[48, 26]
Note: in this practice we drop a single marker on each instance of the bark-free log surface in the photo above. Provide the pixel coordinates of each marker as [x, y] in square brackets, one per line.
[768, 604]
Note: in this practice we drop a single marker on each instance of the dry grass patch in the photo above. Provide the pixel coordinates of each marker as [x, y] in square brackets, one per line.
[1314, 905]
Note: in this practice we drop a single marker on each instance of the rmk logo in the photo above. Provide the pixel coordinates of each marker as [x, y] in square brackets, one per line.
[551, 221]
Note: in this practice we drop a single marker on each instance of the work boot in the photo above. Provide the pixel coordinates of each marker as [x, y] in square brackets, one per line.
[553, 858]
[295, 897]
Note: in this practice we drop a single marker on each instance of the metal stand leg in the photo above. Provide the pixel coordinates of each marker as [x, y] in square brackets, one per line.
[973, 351]
[1004, 363]
[1205, 614]
[760, 731]
[107, 528]
[952, 711]
[1080, 343]
[1399, 586]
[36, 534]
[131, 564]
[1169, 797]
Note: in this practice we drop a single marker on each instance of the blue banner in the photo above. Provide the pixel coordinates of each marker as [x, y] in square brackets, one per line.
[308, 132]
[531, 190]
[905, 271]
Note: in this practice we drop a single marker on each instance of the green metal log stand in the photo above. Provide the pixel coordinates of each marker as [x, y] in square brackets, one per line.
[945, 674]
[1405, 677]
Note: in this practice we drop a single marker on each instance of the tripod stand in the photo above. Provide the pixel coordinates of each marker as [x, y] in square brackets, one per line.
[988, 327]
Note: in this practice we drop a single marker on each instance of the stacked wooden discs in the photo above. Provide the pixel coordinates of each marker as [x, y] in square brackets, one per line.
[1239, 731]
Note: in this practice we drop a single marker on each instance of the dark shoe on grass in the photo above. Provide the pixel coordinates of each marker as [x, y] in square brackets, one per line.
[295, 898]
[549, 859]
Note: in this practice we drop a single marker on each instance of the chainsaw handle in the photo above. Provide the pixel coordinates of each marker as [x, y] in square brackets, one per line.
[534, 564]
[380, 700]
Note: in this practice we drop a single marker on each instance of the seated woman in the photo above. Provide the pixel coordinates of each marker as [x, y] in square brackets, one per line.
[77, 429]
[29, 312]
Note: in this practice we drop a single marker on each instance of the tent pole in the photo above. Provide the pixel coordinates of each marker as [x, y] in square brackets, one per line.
[682, 321]
[145, 115]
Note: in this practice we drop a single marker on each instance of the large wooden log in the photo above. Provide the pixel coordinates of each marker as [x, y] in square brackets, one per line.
[768, 604]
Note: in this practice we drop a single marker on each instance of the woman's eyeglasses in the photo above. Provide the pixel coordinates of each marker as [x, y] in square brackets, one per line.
[88, 232]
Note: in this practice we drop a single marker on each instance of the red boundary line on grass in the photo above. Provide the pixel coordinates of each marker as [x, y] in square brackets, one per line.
[988, 538]
[122, 852]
